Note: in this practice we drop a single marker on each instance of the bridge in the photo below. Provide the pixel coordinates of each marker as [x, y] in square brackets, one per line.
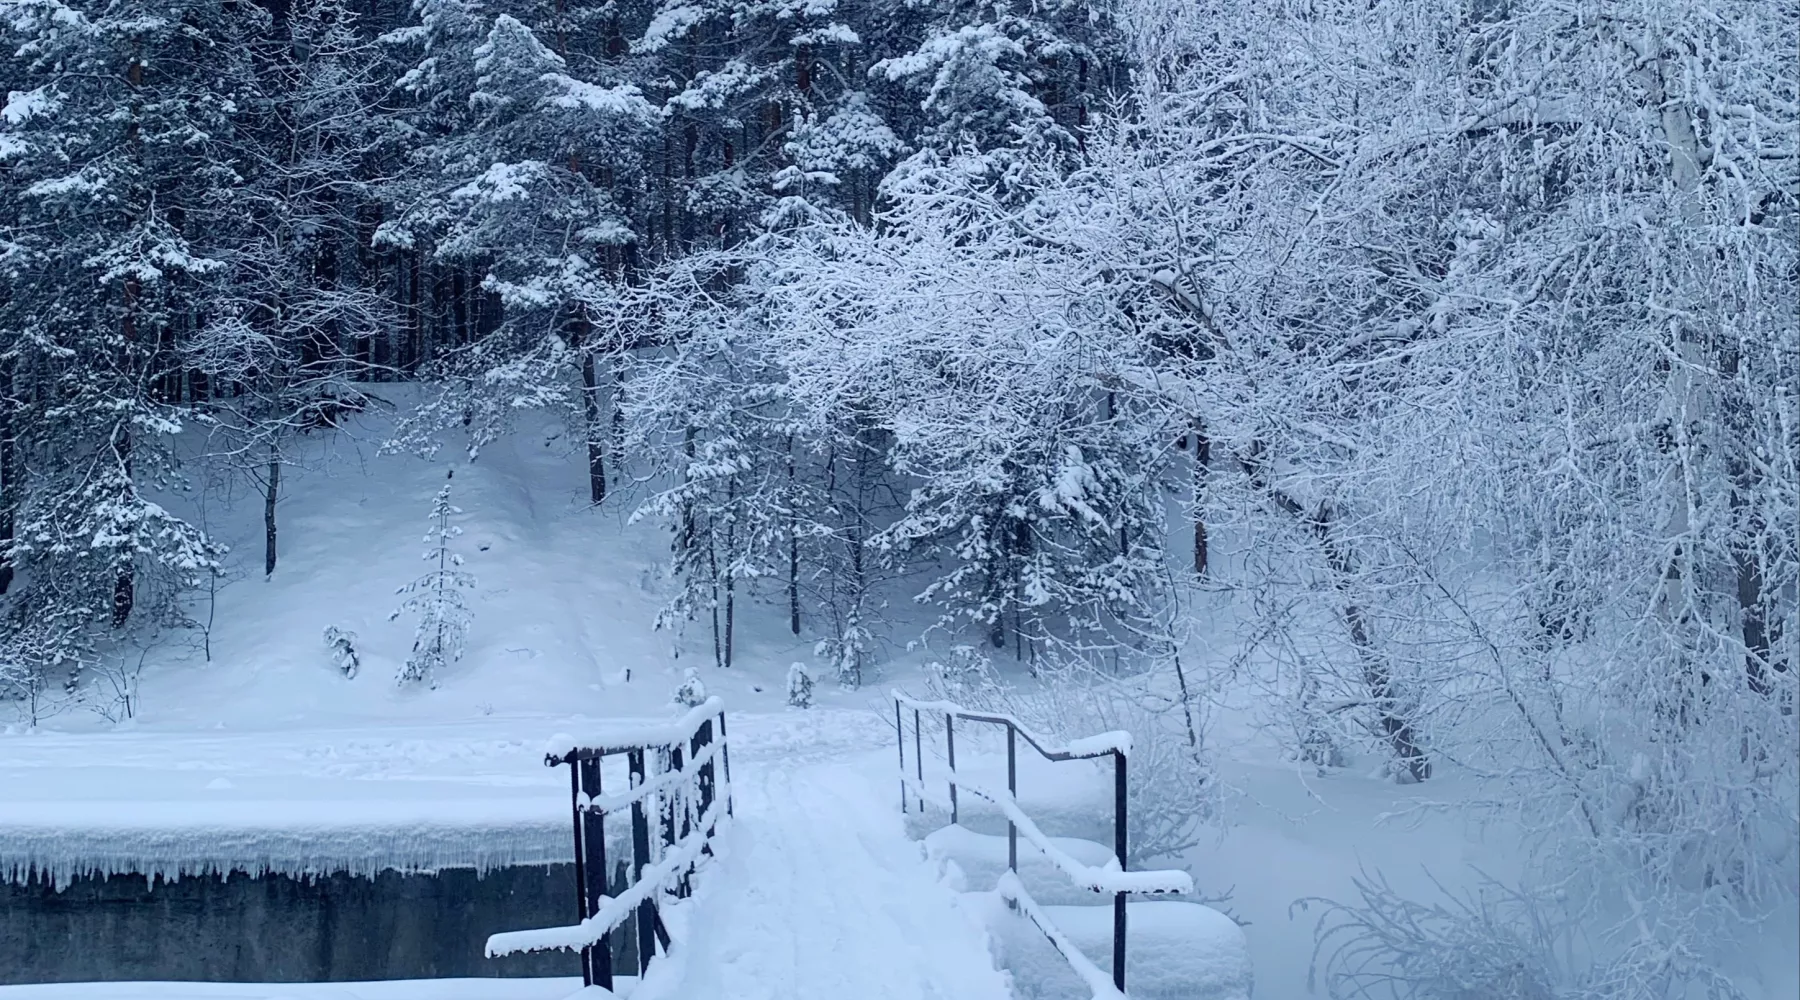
[798, 879]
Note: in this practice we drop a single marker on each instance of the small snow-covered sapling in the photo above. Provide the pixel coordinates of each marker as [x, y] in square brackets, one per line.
[799, 686]
[436, 597]
[342, 643]
[691, 692]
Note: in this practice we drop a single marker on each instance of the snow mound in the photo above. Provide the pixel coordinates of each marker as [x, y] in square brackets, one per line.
[1174, 951]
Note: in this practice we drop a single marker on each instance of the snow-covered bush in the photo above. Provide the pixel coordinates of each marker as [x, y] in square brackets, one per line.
[1171, 791]
[115, 685]
[34, 695]
[1500, 942]
[342, 644]
[1493, 944]
[444, 619]
[45, 645]
[690, 692]
[965, 677]
[799, 686]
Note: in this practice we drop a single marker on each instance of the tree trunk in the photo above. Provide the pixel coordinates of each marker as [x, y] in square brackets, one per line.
[9, 477]
[618, 414]
[684, 537]
[1396, 725]
[730, 577]
[596, 446]
[415, 328]
[459, 307]
[712, 571]
[124, 594]
[793, 533]
[1748, 526]
[271, 492]
[730, 614]
[1202, 458]
[1683, 404]
[125, 582]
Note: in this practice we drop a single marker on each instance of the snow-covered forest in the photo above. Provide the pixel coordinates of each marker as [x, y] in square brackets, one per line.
[1408, 389]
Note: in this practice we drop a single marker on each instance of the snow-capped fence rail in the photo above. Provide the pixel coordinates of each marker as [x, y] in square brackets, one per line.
[1111, 878]
[673, 769]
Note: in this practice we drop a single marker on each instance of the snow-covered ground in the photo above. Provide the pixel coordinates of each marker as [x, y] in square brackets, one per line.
[266, 758]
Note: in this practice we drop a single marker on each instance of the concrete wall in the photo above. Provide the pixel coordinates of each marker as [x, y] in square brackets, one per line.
[280, 929]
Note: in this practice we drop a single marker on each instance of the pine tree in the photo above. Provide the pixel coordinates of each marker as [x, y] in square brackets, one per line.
[436, 598]
[773, 127]
[997, 84]
[122, 168]
[799, 686]
[531, 186]
[291, 339]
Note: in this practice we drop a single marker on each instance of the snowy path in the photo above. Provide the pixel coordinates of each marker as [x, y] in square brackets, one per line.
[819, 895]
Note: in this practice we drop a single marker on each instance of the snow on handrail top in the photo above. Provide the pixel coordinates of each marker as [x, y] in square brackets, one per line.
[632, 737]
[1099, 745]
[614, 801]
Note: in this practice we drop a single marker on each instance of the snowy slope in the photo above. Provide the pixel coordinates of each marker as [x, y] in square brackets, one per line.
[565, 597]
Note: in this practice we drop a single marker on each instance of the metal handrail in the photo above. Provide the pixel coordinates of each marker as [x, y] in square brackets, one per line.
[683, 837]
[1005, 720]
[1014, 730]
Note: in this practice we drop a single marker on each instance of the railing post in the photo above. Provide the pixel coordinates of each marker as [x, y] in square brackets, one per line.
[671, 803]
[640, 851]
[900, 743]
[674, 810]
[689, 779]
[1119, 847]
[1012, 789]
[704, 777]
[725, 759]
[623, 952]
[592, 875]
[950, 742]
[919, 761]
[587, 972]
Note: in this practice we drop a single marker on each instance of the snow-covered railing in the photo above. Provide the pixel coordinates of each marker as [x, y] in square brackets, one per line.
[687, 756]
[1112, 878]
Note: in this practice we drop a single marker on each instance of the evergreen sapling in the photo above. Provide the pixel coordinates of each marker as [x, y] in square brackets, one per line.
[437, 599]
[799, 686]
[343, 650]
[691, 692]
